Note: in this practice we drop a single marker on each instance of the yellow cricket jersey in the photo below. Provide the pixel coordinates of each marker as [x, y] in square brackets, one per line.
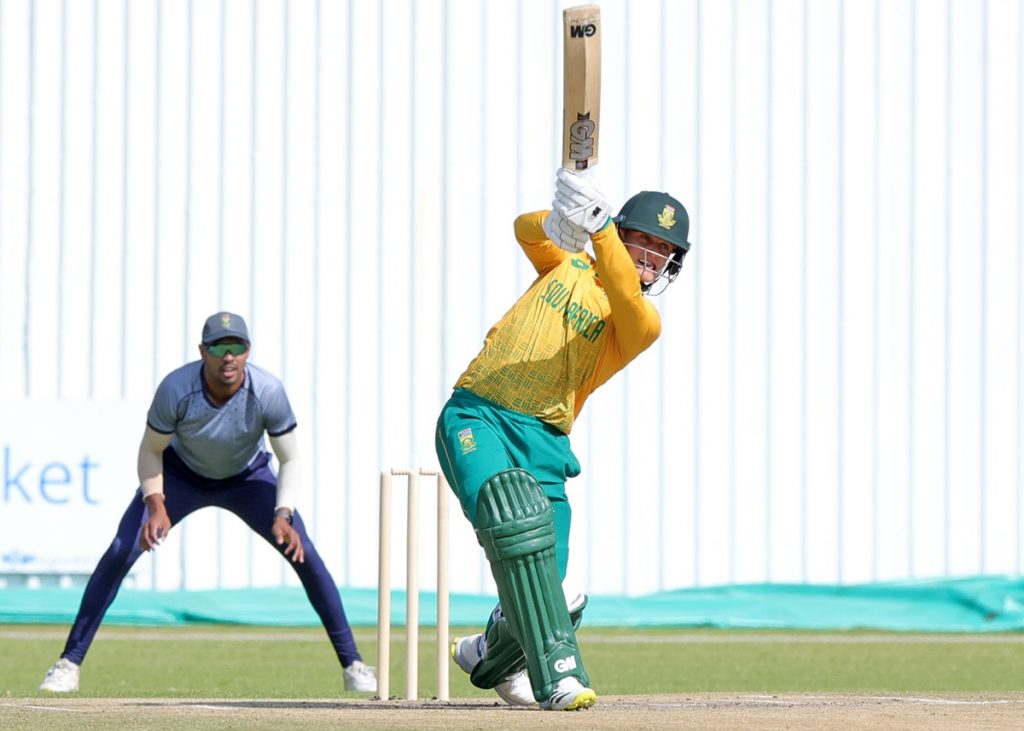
[579, 324]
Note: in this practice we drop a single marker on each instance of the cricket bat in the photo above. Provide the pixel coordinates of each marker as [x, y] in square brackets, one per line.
[581, 68]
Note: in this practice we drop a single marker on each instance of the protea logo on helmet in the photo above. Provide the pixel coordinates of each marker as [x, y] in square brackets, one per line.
[667, 218]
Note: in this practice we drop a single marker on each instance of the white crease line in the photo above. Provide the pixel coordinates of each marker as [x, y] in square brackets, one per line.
[44, 708]
[954, 702]
[818, 701]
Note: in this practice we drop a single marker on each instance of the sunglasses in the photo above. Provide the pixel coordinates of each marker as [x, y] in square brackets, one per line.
[219, 351]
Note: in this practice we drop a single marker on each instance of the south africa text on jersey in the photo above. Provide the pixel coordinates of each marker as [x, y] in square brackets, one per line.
[582, 320]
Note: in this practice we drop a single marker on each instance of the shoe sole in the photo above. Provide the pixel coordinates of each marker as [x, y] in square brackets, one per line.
[584, 699]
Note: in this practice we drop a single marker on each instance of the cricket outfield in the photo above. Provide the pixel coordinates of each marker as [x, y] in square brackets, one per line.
[204, 677]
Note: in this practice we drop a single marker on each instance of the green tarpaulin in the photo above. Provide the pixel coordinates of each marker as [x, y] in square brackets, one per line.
[973, 604]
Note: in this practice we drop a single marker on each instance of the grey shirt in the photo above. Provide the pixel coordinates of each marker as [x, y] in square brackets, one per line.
[219, 441]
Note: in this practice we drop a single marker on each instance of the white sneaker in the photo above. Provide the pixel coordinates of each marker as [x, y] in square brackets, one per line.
[517, 691]
[468, 651]
[61, 678]
[569, 695]
[360, 677]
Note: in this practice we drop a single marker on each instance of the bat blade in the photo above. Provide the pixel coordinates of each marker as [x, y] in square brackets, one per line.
[581, 112]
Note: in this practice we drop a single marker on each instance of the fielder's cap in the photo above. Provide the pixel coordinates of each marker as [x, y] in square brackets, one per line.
[657, 214]
[224, 325]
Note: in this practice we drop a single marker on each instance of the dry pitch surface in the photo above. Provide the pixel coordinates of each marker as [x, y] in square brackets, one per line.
[716, 711]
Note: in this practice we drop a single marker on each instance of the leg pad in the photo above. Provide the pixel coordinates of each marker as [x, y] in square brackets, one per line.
[515, 526]
[504, 656]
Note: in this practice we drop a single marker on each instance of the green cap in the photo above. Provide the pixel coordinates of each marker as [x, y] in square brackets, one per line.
[657, 214]
[224, 325]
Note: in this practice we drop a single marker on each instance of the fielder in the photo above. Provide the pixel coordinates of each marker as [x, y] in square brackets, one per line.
[203, 446]
[503, 437]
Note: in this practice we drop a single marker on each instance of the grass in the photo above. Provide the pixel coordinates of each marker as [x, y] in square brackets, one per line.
[251, 662]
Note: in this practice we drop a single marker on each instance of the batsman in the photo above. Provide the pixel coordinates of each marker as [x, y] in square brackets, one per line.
[503, 436]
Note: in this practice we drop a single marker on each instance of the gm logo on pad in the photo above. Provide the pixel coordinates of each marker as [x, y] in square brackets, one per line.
[565, 664]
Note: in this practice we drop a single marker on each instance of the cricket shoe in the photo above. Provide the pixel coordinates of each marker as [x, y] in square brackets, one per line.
[515, 690]
[360, 677]
[467, 652]
[569, 695]
[61, 678]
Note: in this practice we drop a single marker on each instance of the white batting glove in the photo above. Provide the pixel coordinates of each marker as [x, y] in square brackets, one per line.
[565, 235]
[580, 202]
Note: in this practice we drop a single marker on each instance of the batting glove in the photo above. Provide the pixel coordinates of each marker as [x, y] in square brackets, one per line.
[564, 234]
[580, 202]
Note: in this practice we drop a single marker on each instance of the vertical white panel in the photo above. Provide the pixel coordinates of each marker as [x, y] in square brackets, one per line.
[966, 259]
[858, 272]
[928, 288]
[715, 304]
[822, 202]
[750, 253]
[785, 259]
[893, 154]
[1018, 499]
[42, 239]
[76, 288]
[234, 158]
[1000, 522]
[675, 167]
[323, 503]
[635, 485]
[109, 194]
[140, 177]
[15, 51]
[361, 317]
[177, 338]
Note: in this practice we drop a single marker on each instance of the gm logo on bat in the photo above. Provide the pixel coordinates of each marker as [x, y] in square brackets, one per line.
[581, 137]
[579, 31]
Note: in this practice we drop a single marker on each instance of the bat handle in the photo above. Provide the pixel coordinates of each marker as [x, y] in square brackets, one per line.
[587, 173]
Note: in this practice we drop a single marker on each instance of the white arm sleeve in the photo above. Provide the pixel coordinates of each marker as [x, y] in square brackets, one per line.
[289, 476]
[151, 461]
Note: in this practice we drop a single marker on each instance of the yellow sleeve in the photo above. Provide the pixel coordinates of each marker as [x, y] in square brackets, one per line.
[637, 323]
[542, 253]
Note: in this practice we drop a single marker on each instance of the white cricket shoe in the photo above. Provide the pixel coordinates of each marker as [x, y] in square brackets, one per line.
[569, 695]
[515, 690]
[468, 651]
[61, 678]
[360, 677]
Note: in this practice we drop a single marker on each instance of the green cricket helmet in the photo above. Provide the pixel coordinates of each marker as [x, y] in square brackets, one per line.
[661, 215]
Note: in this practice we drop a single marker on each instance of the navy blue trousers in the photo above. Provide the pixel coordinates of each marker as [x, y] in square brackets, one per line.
[251, 496]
